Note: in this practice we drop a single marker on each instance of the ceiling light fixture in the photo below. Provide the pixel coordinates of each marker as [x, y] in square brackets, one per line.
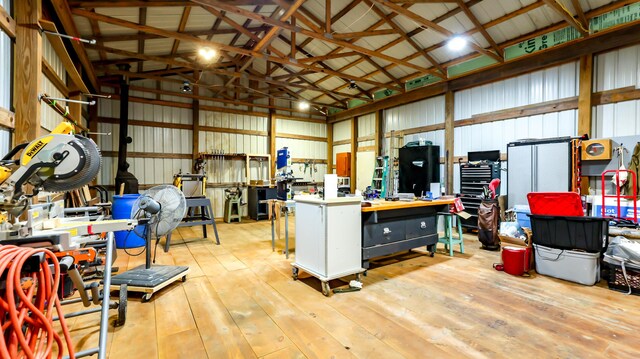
[186, 87]
[207, 53]
[457, 43]
[352, 85]
[303, 105]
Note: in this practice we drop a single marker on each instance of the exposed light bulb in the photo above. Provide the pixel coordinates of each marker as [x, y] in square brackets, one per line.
[457, 43]
[207, 53]
[304, 105]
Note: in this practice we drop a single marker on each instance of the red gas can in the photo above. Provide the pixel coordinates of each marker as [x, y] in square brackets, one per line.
[516, 260]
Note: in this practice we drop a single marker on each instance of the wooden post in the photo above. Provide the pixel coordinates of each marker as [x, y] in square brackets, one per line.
[584, 95]
[272, 137]
[379, 134]
[329, 148]
[93, 120]
[196, 127]
[28, 70]
[195, 122]
[584, 105]
[448, 139]
[354, 151]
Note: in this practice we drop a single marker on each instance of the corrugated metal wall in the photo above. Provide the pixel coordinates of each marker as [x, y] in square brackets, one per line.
[146, 139]
[341, 132]
[231, 171]
[614, 70]
[49, 117]
[179, 141]
[367, 127]
[5, 85]
[304, 149]
[545, 85]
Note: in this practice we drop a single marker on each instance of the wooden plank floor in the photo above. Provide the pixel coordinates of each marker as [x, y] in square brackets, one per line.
[240, 302]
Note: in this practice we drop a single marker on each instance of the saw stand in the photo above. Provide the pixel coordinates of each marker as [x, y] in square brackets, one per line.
[149, 279]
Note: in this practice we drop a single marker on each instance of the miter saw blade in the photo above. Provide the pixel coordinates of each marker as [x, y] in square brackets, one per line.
[93, 160]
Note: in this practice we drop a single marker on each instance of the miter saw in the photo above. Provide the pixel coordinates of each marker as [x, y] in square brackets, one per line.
[57, 162]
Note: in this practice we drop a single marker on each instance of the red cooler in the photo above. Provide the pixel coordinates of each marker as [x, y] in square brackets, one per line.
[516, 260]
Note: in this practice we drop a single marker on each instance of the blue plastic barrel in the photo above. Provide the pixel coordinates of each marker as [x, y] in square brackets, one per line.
[121, 209]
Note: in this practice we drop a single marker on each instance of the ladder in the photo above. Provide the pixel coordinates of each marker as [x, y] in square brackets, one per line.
[380, 173]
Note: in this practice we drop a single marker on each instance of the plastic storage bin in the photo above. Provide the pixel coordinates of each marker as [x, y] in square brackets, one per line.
[122, 210]
[574, 233]
[618, 282]
[522, 215]
[578, 267]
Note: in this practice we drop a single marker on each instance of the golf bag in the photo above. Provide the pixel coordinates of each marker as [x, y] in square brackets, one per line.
[488, 224]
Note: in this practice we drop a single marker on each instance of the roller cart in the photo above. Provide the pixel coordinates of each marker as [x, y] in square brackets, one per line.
[324, 280]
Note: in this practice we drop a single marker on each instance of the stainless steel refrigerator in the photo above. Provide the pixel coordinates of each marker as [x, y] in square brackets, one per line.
[538, 166]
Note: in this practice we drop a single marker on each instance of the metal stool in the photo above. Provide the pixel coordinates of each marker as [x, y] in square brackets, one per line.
[205, 217]
[448, 239]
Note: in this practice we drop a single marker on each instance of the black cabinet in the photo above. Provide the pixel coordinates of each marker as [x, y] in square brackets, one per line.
[473, 177]
[419, 167]
[259, 210]
[386, 232]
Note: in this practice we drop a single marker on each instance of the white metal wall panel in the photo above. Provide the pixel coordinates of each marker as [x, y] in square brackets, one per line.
[618, 68]
[367, 125]
[301, 128]
[342, 130]
[5, 141]
[146, 112]
[52, 58]
[421, 113]
[617, 119]
[339, 149]
[545, 85]
[5, 71]
[49, 117]
[496, 135]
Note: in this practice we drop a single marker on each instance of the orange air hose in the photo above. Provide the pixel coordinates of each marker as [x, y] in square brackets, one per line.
[26, 305]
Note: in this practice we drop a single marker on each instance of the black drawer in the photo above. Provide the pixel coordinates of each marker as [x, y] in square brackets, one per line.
[382, 233]
[420, 227]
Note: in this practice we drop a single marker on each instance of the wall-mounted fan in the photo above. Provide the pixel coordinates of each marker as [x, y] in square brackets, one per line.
[160, 209]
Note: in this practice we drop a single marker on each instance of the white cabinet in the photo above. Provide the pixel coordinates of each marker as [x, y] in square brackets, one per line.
[328, 237]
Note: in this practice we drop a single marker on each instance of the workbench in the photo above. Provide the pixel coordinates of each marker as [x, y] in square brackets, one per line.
[393, 226]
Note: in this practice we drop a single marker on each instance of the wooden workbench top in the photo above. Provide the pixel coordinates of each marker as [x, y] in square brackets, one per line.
[389, 205]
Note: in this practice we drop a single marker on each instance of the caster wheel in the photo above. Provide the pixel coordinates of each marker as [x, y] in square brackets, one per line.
[146, 297]
[326, 290]
[184, 278]
[122, 306]
[359, 277]
[294, 273]
[432, 254]
[364, 273]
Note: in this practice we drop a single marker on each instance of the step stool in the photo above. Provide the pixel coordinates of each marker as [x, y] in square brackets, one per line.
[448, 239]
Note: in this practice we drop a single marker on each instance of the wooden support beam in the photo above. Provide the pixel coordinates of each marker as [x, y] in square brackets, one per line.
[7, 23]
[480, 27]
[294, 43]
[195, 123]
[182, 156]
[64, 14]
[7, 118]
[448, 139]
[354, 152]
[327, 16]
[63, 55]
[287, 26]
[142, 20]
[27, 70]
[301, 137]
[51, 74]
[272, 137]
[342, 142]
[561, 10]
[434, 26]
[581, 17]
[379, 132]
[585, 94]
[361, 34]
